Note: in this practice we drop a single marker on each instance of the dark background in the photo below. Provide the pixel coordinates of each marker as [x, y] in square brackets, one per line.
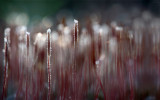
[47, 7]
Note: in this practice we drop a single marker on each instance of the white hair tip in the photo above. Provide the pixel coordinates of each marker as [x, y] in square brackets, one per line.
[49, 30]
[27, 33]
[100, 30]
[75, 21]
[7, 30]
[5, 39]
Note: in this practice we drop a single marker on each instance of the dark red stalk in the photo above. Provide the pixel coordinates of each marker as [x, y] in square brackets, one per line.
[48, 61]
[99, 42]
[27, 45]
[4, 92]
[131, 83]
[74, 62]
[76, 35]
[20, 85]
[97, 91]
[100, 83]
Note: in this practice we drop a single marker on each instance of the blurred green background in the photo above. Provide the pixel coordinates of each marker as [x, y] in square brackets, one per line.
[31, 7]
[47, 7]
